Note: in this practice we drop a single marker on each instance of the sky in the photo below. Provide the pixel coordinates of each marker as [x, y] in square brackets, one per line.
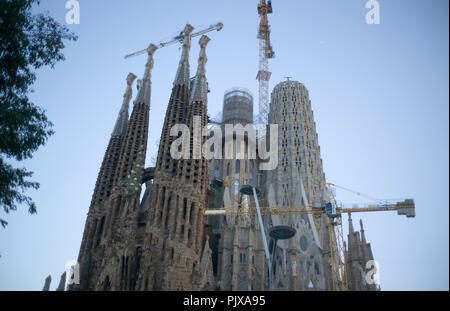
[379, 93]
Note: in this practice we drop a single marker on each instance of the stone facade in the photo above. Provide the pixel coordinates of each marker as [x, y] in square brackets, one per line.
[240, 252]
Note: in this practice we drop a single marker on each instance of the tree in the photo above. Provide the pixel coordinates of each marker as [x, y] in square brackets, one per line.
[27, 42]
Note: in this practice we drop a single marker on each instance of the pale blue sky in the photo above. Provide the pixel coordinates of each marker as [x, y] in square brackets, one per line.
[379, 94]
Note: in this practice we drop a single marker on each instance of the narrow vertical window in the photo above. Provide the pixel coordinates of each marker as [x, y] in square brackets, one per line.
[184, 208]
[236, 187]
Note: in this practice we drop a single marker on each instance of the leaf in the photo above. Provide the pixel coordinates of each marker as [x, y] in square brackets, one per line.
[4, 223]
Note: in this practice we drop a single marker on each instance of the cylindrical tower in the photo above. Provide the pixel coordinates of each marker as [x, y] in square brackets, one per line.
[237, 169]
[237, 107]
[241, 255]
[299, 166]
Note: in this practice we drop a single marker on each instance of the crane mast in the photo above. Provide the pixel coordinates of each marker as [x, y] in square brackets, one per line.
[265, 52]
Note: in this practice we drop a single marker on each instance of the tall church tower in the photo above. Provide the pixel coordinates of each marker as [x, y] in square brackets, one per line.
[113, 200]
[173, 242]
[137, 130]
[96, 216]
[104, 184]
[298, 181]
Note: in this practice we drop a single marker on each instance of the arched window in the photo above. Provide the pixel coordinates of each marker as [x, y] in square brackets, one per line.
[317, 268]
[238, 166]
[236, 187]
[216, 172]
[228, 169]
[251, 176]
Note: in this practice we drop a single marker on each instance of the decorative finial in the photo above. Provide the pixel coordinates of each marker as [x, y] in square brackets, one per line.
[130, 78]
[122, 120]
[144, 87]
[204, 41]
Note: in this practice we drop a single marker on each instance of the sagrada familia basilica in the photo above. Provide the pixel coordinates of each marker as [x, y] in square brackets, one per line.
[162, 239]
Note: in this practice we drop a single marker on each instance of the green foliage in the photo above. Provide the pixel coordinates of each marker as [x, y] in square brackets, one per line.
[27, 42]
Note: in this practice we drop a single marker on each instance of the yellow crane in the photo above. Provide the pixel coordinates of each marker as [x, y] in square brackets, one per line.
[334, 211]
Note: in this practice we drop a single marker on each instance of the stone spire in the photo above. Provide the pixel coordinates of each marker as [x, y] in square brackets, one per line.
[200, 88]
[206, 269]
[62, 283]
[120, 194]
[137, 128]
[145, 85]
[172, 248]
[198, 106]
[176, 109]
[121, 124]
[48, 280]
[363, 236]
[350, 224]
[182, 76]
[106, 175]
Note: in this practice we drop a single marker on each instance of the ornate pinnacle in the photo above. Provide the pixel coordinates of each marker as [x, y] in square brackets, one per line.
[350, 223]
[200, 88]
[145, 86]
[182, 76]
[363, 236]
[122, 120]
[204, 41]
[130, 79]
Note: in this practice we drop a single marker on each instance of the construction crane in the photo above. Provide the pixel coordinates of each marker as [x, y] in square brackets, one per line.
[265, 53]
[334, 211]
[179, 39]
[336, 236]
